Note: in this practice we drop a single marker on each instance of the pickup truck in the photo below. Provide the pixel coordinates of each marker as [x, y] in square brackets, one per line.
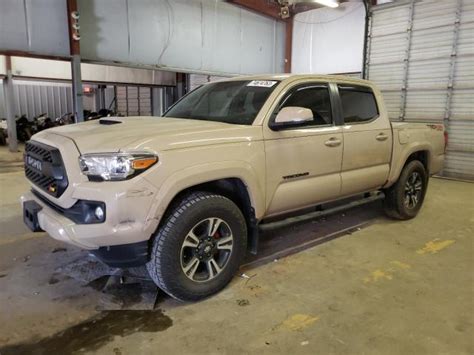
[184, 194]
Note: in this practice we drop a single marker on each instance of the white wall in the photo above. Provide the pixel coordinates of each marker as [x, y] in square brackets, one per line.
[38, 26]
[207, 36]
[329, 40]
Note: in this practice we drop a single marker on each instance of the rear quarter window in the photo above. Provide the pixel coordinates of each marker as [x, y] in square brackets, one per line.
[358, 104]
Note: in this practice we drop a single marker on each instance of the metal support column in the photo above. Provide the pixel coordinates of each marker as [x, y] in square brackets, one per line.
[403, 100]
[157, 101]
[9, 102]
[77, 88]
[368, 43]
[168, 97]
[288, 44]
[75, 51]
[180, 85]
[99, 97]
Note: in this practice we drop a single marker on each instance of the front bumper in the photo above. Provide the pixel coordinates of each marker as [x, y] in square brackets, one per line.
[127, 255]
[126, 222]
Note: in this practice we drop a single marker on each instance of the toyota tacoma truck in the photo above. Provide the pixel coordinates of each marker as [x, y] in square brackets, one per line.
[184, 194]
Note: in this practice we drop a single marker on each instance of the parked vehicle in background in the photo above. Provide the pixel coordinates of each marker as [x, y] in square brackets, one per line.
[185, 194]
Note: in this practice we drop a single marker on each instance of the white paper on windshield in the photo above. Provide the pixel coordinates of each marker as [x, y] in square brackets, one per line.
[262, 83]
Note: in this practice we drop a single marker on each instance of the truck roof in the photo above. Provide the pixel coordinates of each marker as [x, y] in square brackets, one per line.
[292, 77]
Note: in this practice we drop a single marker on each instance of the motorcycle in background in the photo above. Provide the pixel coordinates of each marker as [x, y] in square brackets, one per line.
[67, 118]
[3, 131]
[43, 122]
[24, 128]
[89, 116]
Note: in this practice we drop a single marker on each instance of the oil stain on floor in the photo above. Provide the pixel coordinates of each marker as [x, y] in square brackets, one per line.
[94, 333]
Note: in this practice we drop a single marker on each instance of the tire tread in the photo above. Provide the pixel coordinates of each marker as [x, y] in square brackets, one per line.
[156, 267]
[392, 206]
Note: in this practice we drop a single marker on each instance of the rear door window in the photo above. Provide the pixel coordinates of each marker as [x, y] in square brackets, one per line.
[358, 104]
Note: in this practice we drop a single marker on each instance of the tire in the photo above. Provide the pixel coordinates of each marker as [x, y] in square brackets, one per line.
[403, 200]
[185, 236]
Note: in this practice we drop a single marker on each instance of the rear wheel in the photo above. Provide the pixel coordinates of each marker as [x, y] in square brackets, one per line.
[404, 199]
[199, 247]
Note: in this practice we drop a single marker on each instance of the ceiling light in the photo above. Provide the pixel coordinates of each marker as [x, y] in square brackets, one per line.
[284, 12]
[329, 3]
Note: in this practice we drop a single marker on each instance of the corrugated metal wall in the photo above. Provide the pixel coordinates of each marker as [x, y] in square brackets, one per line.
[421, 54]
[133, 100]
[351, 75]
[196, 80]
[35, 98]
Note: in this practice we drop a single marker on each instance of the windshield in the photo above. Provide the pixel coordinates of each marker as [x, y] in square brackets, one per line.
[236, 102]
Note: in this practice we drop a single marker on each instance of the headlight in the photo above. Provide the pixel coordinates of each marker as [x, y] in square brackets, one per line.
[115, 166]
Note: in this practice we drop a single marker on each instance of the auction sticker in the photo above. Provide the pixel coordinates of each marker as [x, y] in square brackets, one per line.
[262, 83]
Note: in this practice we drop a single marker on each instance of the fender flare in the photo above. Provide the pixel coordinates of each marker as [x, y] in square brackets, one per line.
[407, 151]
[207, 172]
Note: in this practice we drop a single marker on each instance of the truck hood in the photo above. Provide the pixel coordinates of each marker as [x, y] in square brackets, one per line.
[152, 133]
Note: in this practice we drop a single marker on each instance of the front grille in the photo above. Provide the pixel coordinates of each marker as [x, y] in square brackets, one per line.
[44, 168]
[41, 150]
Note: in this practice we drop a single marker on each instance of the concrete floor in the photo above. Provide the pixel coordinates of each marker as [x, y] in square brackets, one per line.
[390, 288]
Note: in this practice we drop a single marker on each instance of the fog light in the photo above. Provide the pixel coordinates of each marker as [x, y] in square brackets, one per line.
[99, 213]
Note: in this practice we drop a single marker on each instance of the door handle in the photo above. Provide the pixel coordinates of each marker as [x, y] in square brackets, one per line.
[333, 142]
[381, 137]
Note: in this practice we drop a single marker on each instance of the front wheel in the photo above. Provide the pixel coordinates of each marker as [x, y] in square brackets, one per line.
[404, 199]
[199, 247]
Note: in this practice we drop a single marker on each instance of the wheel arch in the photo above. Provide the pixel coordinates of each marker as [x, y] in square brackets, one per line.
[422, 153]
[232, 188]
[240, 185]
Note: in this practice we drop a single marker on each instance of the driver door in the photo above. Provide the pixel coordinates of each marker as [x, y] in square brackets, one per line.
[303, 163]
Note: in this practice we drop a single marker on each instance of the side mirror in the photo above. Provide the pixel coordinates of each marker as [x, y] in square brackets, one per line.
[292, 116]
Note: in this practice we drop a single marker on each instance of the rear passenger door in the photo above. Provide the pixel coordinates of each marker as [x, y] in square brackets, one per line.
[367, 140]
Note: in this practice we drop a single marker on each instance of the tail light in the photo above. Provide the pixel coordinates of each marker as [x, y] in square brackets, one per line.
[445, 140]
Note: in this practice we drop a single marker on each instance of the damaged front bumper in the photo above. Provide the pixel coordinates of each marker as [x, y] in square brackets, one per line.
[126, 214]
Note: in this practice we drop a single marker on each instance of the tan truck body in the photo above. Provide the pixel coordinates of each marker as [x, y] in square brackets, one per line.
[193, 152]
